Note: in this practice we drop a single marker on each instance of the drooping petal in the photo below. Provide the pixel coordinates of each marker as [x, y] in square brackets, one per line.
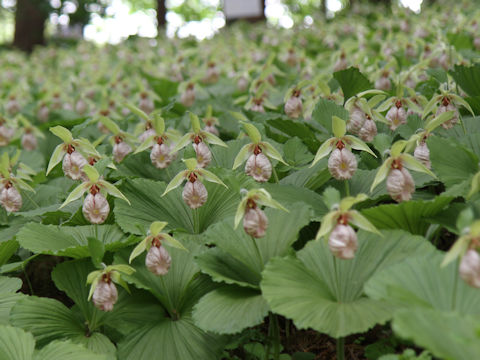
[469, 268]
[259, 167]
[11, 199]
[194, 194]
[105, 295]
[342, 164]
[158, 260]
[95, 208]
[400, 184]
[343, 242]
[160, 156]
[255, 222]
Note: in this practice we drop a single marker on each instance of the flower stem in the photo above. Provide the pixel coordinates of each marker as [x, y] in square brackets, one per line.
[196, 221]
[347, 188]
[259, 254]
[275, 175]
[341, 348]
[276, 336]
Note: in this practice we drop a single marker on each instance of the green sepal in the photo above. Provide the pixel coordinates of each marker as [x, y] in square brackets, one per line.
[62, 133]
[339, 127]
[323, 150]
[176, 181]
[56, 158]
[112, 190]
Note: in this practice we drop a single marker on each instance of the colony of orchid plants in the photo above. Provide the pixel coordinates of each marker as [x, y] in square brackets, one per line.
[348, 151]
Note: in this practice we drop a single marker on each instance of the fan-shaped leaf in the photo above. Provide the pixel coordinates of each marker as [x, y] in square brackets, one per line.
[410, 215]
[230, 309]
[324, 293]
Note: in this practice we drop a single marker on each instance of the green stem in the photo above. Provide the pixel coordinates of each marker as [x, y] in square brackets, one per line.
[455, 286]
[341, 348]
[347, 188]
[27, 279]
[214, 157]
[259, 254]
[196, 221]
[287, 332]
[269, 334]
[463, 126]
[276, 336]
[275, 176]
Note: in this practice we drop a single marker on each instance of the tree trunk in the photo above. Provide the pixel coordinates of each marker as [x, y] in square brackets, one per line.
[161, 15]
[30, 20]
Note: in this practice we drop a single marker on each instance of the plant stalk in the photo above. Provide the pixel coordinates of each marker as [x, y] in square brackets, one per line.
[347, 188]
[196, 221]
[275, 176]
[341, 348]
[276, 336]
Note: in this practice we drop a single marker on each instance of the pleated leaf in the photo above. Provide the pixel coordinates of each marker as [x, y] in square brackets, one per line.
[447, 335]
[71, 241]
[410, 215]
[230, 309]
[16, 344]
[319, 291]
[148, 205]
[423, 282]
[238, 258]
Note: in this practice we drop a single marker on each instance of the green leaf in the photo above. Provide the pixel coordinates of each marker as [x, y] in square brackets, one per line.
[451, 162]
[410, 215]
[339, 127]
[16, 344]
[245, 256]
[421, 282]
[97, 250]
[71, 241]
[324, 111]
[56, 157]
[9, 285]
[425, 328]
[62, 133]
[61, 350]
[352, 82]
[148, 205]
[468, 78]
[316, 290]
[230, 309]
[47, 319]
[179, 339]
